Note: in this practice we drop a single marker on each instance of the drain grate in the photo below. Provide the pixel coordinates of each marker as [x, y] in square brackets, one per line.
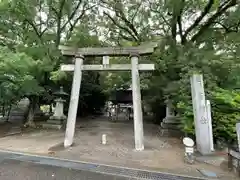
[144, 175]
[140, 174]
[117, 171]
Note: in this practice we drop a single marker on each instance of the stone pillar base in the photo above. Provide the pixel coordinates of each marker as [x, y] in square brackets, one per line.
[55, 123]
[170, 133]
[170, 127]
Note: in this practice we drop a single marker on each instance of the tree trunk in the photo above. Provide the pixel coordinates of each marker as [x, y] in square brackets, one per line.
[50, 109]
[31, 112]
[3, 110]
[8, 114]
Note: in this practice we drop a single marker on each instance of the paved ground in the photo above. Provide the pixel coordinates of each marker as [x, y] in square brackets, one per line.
[160, 154]
[16, 170]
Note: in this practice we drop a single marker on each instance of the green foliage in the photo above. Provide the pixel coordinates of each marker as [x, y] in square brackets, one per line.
[58, 75]
[36, 29]
[17, 77]
[224, 126]
[187, 118]
[226, 101]
[225, 114]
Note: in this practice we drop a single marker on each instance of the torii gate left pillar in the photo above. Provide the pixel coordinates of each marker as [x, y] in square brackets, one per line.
[136, 92]
[73, 106]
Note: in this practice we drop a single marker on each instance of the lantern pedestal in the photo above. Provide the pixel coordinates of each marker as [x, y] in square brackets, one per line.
[58, 120]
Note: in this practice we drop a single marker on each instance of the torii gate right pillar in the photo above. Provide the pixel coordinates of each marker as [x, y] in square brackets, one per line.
[137, 104]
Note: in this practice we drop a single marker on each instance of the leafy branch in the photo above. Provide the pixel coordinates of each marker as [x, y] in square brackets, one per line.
[223, 8]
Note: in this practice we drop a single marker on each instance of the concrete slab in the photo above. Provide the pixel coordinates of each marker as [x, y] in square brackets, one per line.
[208, 174]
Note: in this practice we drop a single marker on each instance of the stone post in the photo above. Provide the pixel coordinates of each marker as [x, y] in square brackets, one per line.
[73, 106]
[238, 135]
[170, 124]
[169, 112]
[57, 120]
[59, 107]
[200, 115]
[137, 105]
[209, 115]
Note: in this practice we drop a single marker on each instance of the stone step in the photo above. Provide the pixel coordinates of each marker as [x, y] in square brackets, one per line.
[54, 121]
[14, 130]
[12, 113]
[21, 117]
[40, 118]
[173, 121]
[16, 117]
[170, 133]
[170, 126]
[52, 126]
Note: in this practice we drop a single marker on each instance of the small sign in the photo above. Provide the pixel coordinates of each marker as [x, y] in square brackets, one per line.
[188, 142]
[105, 60]
[189, 150]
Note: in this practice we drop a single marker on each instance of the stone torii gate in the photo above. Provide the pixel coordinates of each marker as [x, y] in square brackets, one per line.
[134, 67]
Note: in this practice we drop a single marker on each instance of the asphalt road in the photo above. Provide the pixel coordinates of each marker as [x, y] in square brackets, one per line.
[17, 170]
[28, 167]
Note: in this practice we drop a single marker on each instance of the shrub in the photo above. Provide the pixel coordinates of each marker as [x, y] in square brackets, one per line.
[225, 114]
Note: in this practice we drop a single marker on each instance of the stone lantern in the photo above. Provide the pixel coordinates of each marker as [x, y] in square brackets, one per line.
[170, 124]
[58, 119]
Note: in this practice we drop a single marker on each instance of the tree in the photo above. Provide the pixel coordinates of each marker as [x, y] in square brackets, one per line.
[37, 28]
[16, 78]
[194, 36]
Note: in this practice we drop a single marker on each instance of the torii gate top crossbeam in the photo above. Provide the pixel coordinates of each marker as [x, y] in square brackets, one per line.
[108, 51]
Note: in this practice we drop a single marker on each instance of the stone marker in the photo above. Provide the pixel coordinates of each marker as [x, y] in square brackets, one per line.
[209, 115]
[104, 139]
[238, 135]
[170, 124]
[234, 154]
[203, 137]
